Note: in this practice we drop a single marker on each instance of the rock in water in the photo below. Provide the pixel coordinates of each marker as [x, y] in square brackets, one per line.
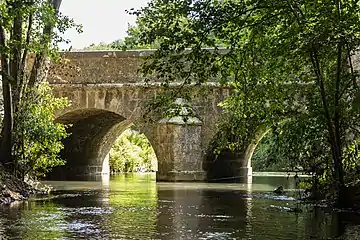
[279, 190]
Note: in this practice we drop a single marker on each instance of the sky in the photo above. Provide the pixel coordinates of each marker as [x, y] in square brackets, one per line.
[103, 21]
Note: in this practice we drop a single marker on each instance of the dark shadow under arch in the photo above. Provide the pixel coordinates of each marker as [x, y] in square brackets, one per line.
[93, 132]
[232, 166]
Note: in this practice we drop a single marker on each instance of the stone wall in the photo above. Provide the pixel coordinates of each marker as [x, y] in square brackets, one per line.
[97, 67]
[107, 96]
[128, 101]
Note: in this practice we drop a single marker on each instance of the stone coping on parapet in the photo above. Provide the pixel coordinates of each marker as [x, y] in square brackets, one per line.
[139, 85]
[98, 67]
[119, 53]
[107, 53]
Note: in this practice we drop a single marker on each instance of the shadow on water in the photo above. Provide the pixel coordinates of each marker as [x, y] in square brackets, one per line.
[136, 207]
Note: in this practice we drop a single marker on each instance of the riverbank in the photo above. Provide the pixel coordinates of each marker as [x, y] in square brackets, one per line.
[280, 174]
[13, 189]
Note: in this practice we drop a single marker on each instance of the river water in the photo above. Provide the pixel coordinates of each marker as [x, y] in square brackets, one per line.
[136, 207]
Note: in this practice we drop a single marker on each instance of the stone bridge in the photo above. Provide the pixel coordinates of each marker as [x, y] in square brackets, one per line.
[107, 96]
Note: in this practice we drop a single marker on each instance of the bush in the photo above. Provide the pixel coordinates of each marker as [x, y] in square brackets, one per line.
[132, 152]
[38, 138]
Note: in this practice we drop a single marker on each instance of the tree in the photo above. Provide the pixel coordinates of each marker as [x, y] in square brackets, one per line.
[37, 136]
[132, 152]
[29, 33]
[285, 59]
[130, 42]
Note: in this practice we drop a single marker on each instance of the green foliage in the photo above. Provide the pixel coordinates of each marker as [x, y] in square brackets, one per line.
[264, 158]
[38, 137]
[130, 42]
[302, 142]
[29, 34]
[42, 27]
[294, 144]
[352, 163]
[288, 60]
[132, 152]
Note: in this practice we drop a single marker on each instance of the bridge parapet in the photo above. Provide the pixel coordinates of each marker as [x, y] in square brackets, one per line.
[97, 67]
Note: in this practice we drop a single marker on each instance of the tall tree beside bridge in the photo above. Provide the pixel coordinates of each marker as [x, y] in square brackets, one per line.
[274, 49]
[29, 33]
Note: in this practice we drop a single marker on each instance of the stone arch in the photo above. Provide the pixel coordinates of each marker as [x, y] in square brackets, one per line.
[259, 135]
[93, 133]
[232, 166]
[125, 101]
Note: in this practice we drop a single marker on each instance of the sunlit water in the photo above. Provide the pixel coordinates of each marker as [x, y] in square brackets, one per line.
[136, 207]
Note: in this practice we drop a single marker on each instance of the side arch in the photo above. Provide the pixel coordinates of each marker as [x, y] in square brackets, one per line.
[92, 133]
[259, 135]
[231, 166]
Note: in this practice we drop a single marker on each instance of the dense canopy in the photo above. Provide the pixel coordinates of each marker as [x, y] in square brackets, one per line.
[291, 63]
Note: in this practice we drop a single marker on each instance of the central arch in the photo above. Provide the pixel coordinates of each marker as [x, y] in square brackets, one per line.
[92, 134]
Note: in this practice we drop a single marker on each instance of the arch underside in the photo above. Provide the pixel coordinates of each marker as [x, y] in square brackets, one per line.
[92, 134]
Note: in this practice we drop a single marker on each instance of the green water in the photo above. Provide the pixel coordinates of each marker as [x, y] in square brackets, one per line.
[136, 207]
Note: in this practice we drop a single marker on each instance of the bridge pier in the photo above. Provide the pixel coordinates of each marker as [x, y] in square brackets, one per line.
[180, 157]
[179, 151]
[80, 172]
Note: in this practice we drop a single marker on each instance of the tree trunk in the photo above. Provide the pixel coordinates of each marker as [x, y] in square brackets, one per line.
[337, 145]
[15, 61]
[333, 123]
[6, 141]
[56, 5]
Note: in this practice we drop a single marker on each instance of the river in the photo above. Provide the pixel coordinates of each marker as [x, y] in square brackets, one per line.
[134, 206]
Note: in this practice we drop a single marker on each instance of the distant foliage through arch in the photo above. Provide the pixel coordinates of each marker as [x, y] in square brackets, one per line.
[132, 152]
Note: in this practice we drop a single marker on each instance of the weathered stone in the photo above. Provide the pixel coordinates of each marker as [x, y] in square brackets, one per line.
[182, 144]
[108, 97]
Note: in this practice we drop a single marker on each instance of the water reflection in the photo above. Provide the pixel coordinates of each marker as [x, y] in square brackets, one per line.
[133, 198]
[136, 207]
